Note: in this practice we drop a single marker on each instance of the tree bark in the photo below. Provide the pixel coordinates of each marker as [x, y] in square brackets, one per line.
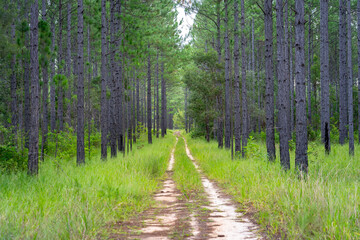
[350, 81]
[324, 73]
[219, 120]
[301, 159]
[283, 88]
[243, 87]
[149, 96]
[34, 97]
[163, 101]
[309, 67]
[269, 91]
[60, 108]
[227, 79]
[342, 73]
[358, 45]
[104, 119]
[52, 85]
[45, 94]
[13, 87]
[80, 159]
[68, 66]
[237, 108]
[157, 96]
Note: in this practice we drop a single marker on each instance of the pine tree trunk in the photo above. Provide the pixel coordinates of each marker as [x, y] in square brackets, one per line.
[283, 88]
[104, 110]
[157, 96]
[287, 68]
[13, 87]
[89, 116]
[243, 85]
[350, 81]
[219, 120]
[45, 94]
[34, 97]
[149, 96]
[80, 159]
[324, 74]
[27, 116]
[163, 101]
[342, 73]
[68, 66]
[309, 67]
[52, 85]
[237, 108]
[227, 80]
[301, 160]
[60, 108]
[269, 91]
[358, 45]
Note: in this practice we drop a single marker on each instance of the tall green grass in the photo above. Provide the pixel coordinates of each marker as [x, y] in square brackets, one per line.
[69, 202]
[185, 175]
[323, 206]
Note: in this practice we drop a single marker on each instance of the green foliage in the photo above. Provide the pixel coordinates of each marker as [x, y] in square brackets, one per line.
[64, 144]
[12, 159]
[69, 202]
[179, 119]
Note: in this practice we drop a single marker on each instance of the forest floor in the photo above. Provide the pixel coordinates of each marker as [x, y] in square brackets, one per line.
[189, 206]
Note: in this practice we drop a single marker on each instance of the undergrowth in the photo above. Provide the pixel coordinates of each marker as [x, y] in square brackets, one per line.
[325, 205]
[69, 202]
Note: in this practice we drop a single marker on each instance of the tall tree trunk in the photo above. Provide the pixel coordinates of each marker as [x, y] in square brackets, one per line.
[219, 120]
[287, 68]
[227, 80]
[163, 100]
[104, 110]
[291, 75]
[269, 91]
[237, 108]
[34, 97]
[89, 116]
[68, 65]
[80, 159]
[186, 111]
[157, 96]
[309, 66]
[149, 96]
[60, 71]
[342, 72]
[324, 74]
[358, 45]
[44, 68]
[283, 88]
[113, 101]
[301, 160]
[350, 81]
[243, 85]
[13, 87]
[52, 85]
[27, 115]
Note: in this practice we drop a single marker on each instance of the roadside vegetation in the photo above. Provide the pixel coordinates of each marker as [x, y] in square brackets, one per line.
[69, 202]
[323, 205]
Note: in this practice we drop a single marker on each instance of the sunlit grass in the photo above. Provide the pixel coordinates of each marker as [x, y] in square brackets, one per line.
[325, 205]
[69, 202]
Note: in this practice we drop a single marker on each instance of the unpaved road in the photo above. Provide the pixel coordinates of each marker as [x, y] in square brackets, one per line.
[172, 219]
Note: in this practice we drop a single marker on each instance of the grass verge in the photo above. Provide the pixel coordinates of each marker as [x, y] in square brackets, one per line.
[185, 175]
[324, 206]
[70, 202]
